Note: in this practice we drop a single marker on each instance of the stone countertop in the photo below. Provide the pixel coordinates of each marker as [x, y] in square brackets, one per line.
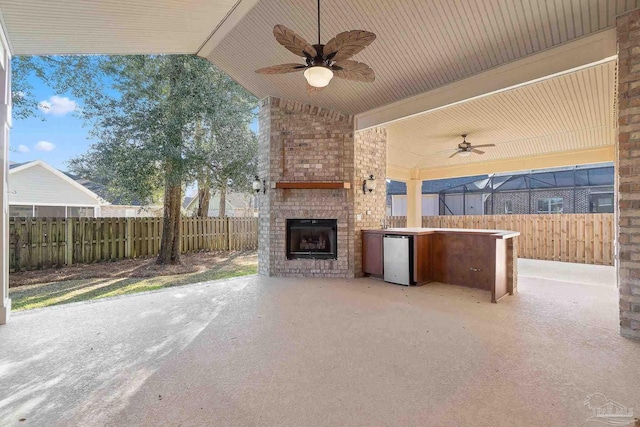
[415, 231]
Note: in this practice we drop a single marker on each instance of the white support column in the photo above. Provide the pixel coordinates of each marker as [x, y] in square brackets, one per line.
[5, 126]
[414, 200]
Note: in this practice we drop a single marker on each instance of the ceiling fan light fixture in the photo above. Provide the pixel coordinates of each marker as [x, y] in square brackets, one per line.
[318, 76]
[465, 153]
[324, 61]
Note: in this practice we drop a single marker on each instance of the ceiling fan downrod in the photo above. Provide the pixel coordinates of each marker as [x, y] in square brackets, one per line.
[318, 21]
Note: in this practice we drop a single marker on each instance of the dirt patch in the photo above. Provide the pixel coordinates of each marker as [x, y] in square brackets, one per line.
[128, 268]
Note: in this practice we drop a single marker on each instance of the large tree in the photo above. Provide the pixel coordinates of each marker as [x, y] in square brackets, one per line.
[227, 158]
[144, 111]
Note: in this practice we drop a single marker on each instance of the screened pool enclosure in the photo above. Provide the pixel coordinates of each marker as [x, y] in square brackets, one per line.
[579, 189]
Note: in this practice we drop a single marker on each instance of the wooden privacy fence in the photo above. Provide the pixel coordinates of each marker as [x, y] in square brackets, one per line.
[580, 238]
[37, 243]
[396, 221]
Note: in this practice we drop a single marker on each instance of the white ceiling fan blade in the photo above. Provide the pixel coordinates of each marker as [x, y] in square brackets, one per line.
[483, 145]
[456, 153]
[477, 151]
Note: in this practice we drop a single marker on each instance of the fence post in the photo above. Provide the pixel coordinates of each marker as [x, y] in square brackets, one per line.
[68, 259]
[16, 244]
[128, 247]
[228, 223]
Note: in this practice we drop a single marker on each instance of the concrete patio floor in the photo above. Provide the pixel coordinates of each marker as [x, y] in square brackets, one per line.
[305, 352]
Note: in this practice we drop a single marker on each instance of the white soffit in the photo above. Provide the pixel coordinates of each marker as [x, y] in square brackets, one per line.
[420, 45]
[51, 27]
[574, 111]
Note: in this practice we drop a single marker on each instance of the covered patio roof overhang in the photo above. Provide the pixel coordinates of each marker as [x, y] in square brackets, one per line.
[521, 72]
[435, 62]
[537, 78]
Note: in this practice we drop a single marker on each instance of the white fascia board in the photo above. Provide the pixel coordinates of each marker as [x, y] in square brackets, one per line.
[568, 57]
[22, 167]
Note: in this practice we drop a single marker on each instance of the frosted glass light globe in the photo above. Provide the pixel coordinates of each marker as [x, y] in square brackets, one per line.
[371, 184]
[318, 76]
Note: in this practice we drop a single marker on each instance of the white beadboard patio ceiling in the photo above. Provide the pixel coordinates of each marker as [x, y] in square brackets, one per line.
[111, 26]
[574, 111]
[420, 45]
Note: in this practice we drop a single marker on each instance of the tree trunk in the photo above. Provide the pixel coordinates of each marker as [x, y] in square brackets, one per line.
[170, 243]
[222, 211]
[204, 197]
[173, 175]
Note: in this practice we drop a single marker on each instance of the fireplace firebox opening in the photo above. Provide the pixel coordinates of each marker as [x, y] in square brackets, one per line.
[312, 239]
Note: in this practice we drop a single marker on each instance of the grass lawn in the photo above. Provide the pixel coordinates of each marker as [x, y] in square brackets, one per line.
[83, 289]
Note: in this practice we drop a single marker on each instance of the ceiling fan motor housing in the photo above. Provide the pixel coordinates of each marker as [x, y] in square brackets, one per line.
[465, 146]
[319, 60]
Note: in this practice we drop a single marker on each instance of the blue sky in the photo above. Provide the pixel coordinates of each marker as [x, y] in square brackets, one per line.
[58, 138]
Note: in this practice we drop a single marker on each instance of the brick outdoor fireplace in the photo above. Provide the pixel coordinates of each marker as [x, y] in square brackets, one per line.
[314, 206]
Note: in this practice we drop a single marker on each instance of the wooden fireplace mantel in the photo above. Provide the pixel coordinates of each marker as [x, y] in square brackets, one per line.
[320, 185]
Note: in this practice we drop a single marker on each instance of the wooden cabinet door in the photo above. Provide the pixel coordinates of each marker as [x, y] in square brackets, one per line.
[372, 253]
[463, 259]
[482, 263]
[457, 262]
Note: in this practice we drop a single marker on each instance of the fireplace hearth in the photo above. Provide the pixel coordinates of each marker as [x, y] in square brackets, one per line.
[312, 239]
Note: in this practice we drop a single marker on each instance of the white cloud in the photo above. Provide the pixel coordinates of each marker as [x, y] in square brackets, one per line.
[23, 148]
[58, 105]
[45, 146]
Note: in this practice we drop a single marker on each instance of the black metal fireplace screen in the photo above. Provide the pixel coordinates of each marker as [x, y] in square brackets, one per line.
[312, 238]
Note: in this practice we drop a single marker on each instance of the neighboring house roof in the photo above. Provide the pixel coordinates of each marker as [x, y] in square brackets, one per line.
[192, 205]
[17, 167]
[103, 191]
[13, 165]
[187, 201]
[97, 188]
[433, 186]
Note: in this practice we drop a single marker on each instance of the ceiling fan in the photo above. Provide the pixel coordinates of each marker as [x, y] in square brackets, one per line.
[324, 61]
[466, 148]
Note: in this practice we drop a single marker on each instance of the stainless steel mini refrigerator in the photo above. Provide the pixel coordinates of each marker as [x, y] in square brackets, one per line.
[398, 259]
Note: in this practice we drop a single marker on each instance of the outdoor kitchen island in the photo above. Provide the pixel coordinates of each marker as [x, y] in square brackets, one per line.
[483, 259]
